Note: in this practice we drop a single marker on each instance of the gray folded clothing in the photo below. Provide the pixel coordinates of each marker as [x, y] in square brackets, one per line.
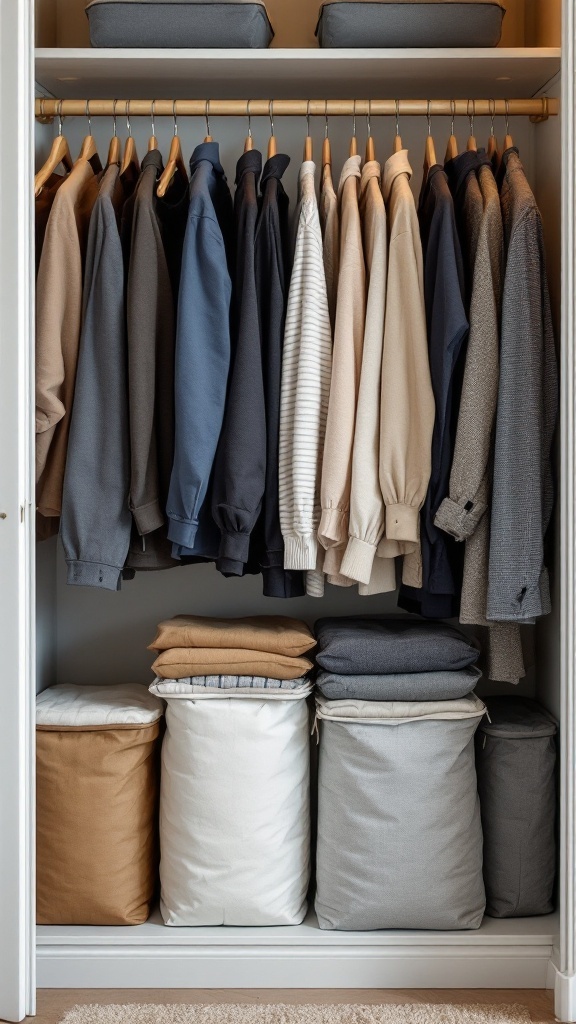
[361, 646]
[400, 686]
[199, 683]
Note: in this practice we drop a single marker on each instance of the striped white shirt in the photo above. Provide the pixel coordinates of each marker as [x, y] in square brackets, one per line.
[306, 371]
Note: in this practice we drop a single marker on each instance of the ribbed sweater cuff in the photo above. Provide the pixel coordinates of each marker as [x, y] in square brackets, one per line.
[94, 574]
[300, 552]
[358, 560]
[235, 546]
[402, 522]
[459, 520]
[148, 517]
[333, 527]
[182, 532]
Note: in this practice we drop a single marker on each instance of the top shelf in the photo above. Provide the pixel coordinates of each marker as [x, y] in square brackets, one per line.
[295, 74]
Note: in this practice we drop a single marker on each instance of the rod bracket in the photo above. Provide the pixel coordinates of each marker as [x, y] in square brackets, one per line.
[543, 115]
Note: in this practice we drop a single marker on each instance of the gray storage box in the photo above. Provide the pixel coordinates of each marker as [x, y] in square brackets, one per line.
[409, 23]
[190, 24]
[399, 834]
[516, 764]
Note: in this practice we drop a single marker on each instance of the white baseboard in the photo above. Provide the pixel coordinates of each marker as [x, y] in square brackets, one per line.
[501, 954]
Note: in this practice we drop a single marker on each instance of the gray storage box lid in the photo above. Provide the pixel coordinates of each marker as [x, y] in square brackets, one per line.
[202, 3]
[517, 718]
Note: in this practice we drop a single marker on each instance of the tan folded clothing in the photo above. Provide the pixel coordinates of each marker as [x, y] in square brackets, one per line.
[180, 662]
[276, 634]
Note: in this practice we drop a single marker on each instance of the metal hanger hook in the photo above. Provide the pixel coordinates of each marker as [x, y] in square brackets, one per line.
[368, 119]
[492, 106]
[453, 115]
[249, 116]
[397, 110]
[152, 120]
[326, 119]
[507, 115]
[88, 116]
[128, 124]
[175, 118]
[428, 118]
[114, 128]
[271, 116]
[354, 120]
[308, 118]
[471, 115]
[206, 117]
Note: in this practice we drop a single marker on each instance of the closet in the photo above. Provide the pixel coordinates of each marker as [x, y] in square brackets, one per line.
[51, 632]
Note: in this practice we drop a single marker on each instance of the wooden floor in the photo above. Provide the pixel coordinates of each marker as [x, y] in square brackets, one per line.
[53, 1003]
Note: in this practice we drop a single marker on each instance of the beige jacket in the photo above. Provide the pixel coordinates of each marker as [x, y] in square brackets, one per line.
[58, 321]
[366, 502]
[345, 381]
[407, 402]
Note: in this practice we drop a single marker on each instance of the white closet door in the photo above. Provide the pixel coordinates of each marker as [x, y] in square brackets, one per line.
[16, 558]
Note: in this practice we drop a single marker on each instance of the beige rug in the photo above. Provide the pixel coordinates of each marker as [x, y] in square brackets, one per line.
[148, 1013]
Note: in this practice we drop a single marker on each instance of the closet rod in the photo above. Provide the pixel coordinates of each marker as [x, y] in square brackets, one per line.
[536, 109]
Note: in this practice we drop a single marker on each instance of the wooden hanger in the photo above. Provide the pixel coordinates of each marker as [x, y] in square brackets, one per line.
[272, 149]
[397, 145]
[152, 141]
[492, 147]
[175, 160]
[130, 161]
[370, 153]
[114, 147]
[508, 140]
[326, 147]
[59, 154]
[88, 150]
[430, 150]
[308, 146]
[353, 151]
[248, 142]
[207, 137]
[471, 145]
[452, 147]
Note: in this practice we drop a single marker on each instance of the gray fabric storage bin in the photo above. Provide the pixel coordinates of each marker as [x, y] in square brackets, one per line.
[516, 765]
[399, 834]
[410, 23]
[192, 24]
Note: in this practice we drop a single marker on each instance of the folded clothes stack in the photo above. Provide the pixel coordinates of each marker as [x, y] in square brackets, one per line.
[258, 652]
[394, 660]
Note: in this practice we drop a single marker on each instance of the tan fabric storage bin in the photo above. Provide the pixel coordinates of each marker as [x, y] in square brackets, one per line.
[97, 804]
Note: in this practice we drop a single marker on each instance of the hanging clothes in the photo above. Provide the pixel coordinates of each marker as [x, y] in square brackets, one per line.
[305, 385]
[407, 400]
[151, 331]
[58, 322]
[367, 512]
[240, 467]
[272, 265]
[345, 380]
[96, 518]
[518, 585]
[202, 344]
[330, 227]
[447, 325]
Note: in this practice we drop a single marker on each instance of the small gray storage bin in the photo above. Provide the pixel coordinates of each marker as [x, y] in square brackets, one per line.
[409, 23]
[193, 24]
[516, 764]
[399, 834]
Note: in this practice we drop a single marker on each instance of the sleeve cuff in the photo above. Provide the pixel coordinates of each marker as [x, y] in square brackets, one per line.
[358, 560]
[93, 574]
[459, 520]
[333, 527]
[235, 547]
[148, 517]
[402, 522]
[300, 552]
[182, 532]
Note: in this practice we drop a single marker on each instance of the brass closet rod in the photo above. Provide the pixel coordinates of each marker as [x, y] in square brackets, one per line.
[536, 109]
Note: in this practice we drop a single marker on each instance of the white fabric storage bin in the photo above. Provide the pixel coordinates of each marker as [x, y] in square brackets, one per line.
[173, 24]
[410, 23]
[234, 807]
[399, 834]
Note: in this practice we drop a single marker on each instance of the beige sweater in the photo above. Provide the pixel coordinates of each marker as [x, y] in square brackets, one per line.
[407, 402]
[345, 381]
[366, 502]
[58, 321]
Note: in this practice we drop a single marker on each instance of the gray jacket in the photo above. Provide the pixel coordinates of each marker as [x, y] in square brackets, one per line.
[518, 586]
